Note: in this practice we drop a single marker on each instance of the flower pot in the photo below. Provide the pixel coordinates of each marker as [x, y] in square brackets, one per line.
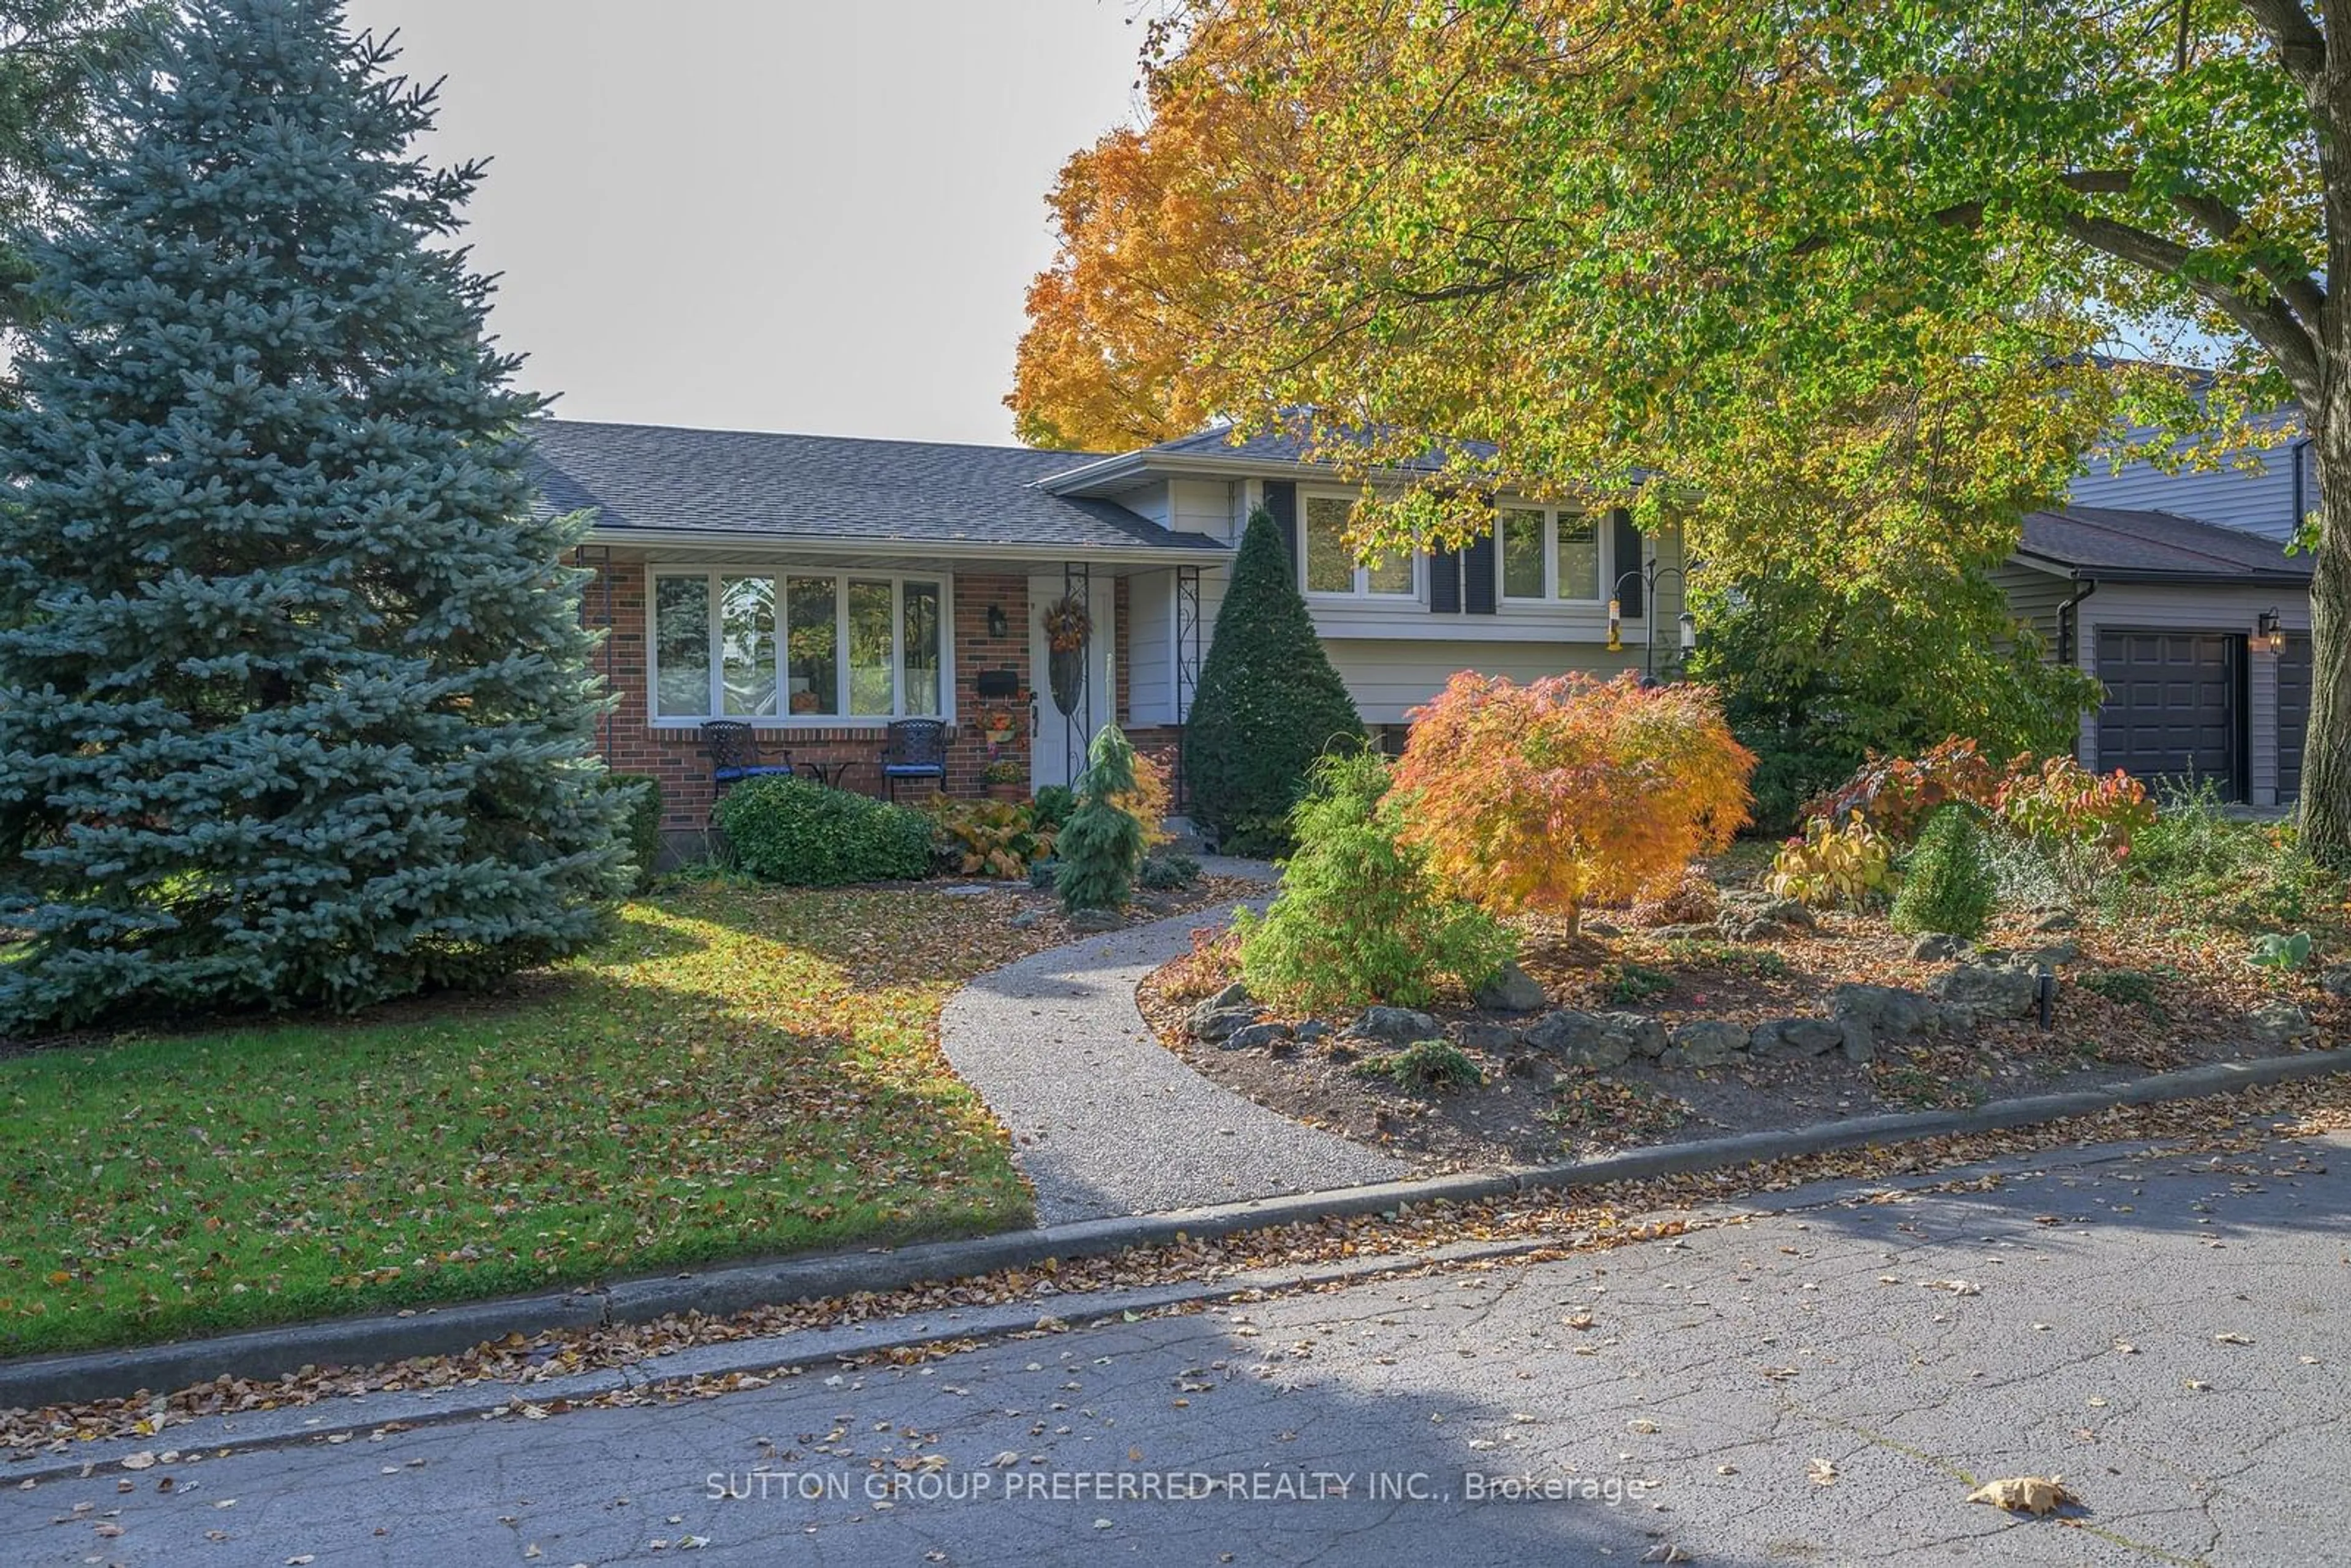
[1008, 792]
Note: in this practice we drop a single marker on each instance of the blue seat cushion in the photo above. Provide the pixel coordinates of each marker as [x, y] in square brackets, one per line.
[915, 769]
[728, 775]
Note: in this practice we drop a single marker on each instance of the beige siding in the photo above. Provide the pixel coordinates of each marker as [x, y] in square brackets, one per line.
[1389, 679]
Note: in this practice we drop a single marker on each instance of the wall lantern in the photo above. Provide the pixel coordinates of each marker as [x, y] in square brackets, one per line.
[1689, 632]
[2268, 636]
[996, 625]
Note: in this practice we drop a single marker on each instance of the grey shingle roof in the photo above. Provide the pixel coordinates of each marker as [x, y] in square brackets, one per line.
[830, 489]
[2105, 541]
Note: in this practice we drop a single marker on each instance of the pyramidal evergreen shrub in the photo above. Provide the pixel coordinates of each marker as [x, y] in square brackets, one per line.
[1101, 846]
[1268, 702]
[296, 706]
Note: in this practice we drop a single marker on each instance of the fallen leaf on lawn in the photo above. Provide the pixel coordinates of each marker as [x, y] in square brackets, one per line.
[1823, 1473]
[2025, 1494]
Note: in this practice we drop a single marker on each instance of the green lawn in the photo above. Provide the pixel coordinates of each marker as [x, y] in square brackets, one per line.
[739, 1072]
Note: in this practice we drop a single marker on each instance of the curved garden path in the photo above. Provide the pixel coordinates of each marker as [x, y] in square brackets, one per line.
[1105, 1120]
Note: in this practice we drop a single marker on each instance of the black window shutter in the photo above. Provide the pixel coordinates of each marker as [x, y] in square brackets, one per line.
[1445, 581]
[1627, 553]
[1282, 500]
[1480, 560]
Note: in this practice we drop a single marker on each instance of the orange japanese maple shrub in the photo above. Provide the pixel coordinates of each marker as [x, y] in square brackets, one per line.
[1571, 789]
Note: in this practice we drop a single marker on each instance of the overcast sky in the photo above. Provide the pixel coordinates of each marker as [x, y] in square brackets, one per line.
[813, 216]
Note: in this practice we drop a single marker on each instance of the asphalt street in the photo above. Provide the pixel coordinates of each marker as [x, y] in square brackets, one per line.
[1821, 1385]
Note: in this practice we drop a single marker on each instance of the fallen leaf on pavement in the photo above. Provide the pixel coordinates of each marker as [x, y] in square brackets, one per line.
[1823, 1473]
[2025, 1494]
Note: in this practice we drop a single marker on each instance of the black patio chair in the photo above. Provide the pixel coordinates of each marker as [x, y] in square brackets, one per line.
[915, 748]
[735, 754]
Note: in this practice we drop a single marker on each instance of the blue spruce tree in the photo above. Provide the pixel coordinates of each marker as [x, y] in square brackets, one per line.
[295, 701]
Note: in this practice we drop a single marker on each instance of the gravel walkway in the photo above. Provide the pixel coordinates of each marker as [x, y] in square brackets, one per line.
[1105, 1120]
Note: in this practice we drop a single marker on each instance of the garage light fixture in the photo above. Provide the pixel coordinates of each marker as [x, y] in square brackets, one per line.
[2268, 636]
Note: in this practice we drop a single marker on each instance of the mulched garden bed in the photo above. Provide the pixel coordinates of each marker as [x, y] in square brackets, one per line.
[2131, 1001]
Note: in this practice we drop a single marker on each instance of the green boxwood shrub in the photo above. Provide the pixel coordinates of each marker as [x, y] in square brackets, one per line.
[644, 823]
[802, 833]
[1951, 884]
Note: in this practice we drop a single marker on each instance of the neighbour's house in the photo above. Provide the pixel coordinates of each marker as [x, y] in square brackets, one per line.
[2175, 590]
[818, 588]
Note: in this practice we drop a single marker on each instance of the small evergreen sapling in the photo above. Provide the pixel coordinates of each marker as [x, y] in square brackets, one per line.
[1102, 845]
[1951, 885]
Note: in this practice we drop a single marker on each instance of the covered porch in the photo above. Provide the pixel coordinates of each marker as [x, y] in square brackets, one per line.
[821, 651]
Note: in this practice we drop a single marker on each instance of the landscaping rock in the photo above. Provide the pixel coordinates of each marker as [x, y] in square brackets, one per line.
[1940, 948]
[1706, 1042]
[1646, 1034]
[1494, 1037]
[1599, 928]
[1988, 987]
[1096, 920]
[2050, 956]
[2336, 981]
[1026, 919]
[1314, 1030]
[1395, 1026]
[2057, 920]
[1258, 1037]
[1750, 917]
[1580, 1037]
[1707, 933]
[1597, 1039]
[1235, 995]
[1512, 990]
[1786, 1039]
[2279, 1023]
[1889, 1012]
[1209, 1021]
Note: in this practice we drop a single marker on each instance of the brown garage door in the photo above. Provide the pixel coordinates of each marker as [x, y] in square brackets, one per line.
[2294, 711]
[2172, 712]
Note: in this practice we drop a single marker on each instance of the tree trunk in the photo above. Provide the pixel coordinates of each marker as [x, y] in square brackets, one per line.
[2325, 805]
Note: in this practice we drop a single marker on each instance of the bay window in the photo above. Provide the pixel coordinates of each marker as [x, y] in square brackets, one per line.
[796, 646]
[1330, 565]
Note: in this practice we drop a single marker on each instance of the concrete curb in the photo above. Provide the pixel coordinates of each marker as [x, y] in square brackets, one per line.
[359, 1342]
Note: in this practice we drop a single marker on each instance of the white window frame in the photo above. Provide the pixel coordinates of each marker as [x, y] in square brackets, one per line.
[1548, 524]
[840, 579]
[1362, 593]
[1603, 539]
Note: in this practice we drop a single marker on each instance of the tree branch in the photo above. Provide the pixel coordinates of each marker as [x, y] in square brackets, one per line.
[2294, 284]
[2301, 46]
[2269, 322]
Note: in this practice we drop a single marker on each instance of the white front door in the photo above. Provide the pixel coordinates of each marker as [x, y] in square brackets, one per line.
[1057, 750]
